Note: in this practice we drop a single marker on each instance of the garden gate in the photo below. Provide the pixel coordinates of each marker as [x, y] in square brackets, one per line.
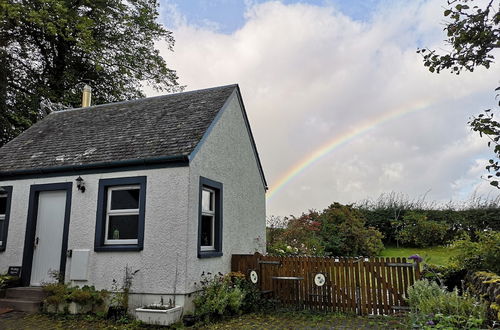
[358, 285]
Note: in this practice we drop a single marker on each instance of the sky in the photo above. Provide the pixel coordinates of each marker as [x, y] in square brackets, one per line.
[340, 104]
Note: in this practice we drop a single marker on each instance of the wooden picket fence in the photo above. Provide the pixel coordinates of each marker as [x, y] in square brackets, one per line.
[365, 286]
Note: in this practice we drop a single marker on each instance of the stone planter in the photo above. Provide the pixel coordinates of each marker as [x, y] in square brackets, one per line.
[76, 308]
[56, 309]
[159, 316]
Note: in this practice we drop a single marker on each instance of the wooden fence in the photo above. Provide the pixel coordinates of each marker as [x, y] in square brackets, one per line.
[357, 285]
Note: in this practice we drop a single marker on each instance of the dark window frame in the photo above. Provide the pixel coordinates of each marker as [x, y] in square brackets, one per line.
[102, 200]
[8, 191]
[217, 187]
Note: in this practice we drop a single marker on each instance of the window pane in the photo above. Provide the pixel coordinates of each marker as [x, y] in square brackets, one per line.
[125, 199]
[3, 204]
[207, 198]
[206, 230]
[123, 227]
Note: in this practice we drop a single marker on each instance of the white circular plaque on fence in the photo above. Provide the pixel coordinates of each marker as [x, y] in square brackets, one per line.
[319, 279]
[254, 277]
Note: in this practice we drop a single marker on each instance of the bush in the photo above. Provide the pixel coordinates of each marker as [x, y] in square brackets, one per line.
[476, 215]
[344, 233]
[225, 295]
[417, 231]
[449, 276]
[59, 293]
[432, 305]
[299, 237]
[8, 281]
[337, 231]
[481, 255]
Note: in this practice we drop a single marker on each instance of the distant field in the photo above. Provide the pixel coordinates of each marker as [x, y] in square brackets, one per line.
[435, 255]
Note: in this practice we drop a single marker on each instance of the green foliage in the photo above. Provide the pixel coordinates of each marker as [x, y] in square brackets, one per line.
[473, 32]
[481, 255]
[299, 237]
[59, 293]
[119, 294]
[7, 281]
[449, 276]
[338, 230]
[416, 230]
[487, 286]
[387, 211]
[433, 306]
[219, 296]
[344, 233]
[50, 48]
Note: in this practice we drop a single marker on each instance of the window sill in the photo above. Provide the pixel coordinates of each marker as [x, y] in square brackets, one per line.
[117, 248]
[209, 254]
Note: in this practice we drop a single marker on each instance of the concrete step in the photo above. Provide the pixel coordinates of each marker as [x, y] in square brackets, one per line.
[26, 293]
[29, 306]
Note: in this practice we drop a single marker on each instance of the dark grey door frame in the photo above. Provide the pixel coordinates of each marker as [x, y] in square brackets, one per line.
[29, 237]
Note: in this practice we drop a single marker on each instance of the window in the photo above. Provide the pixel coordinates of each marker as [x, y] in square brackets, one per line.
[120, 214]
[210, 219]
[5, 198]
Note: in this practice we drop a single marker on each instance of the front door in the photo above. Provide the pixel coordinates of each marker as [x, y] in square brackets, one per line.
[47, 246]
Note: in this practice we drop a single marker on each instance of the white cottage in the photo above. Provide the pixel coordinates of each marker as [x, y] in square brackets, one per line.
[171, 186]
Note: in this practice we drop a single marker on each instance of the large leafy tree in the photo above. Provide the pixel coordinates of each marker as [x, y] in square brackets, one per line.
[473, 32]
[49, 49]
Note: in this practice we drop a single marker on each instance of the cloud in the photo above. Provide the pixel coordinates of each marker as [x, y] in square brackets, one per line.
[309, 74]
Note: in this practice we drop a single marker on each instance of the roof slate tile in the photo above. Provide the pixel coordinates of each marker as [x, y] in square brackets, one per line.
[169, 125]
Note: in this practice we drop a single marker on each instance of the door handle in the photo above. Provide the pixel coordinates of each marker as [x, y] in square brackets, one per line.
[36, 242]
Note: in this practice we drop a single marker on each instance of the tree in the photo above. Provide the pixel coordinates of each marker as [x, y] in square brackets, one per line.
[344, 233]
[49, 49]
[473, 33]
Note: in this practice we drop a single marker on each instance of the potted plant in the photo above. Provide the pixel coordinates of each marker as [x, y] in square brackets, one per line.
[159, 314]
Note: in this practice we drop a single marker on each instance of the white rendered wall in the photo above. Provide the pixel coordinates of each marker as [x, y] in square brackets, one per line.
[164, 232]
[171, 217]
[227, 156]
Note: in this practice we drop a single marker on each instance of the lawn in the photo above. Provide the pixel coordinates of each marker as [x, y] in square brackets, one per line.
[272, 320]
[439, 255]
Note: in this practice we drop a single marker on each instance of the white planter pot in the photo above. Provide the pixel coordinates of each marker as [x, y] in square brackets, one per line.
[159, 316]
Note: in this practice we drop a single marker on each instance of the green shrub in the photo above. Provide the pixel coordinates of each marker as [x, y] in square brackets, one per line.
[219, 296]
[7, 281]
[344, 233]
[417, 231]
[476, 215]
[298, 237]
[449, 276]
[432, 305]
[481, 255]
[59, 293]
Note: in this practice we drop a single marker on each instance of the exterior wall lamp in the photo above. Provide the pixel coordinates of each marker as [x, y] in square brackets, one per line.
[80, 184]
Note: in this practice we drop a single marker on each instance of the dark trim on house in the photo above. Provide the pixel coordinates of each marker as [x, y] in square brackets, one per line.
[254, 146]
[102, 201]
[217, 187]
[104, 167]
[247, 125]
[29, 237]
[8, 191]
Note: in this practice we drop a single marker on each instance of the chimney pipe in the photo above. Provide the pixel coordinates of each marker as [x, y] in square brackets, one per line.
[86, 96]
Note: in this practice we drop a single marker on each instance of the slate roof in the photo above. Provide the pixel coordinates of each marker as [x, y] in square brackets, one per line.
[157, 128]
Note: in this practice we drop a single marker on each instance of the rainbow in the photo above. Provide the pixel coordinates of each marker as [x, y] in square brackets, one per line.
[340, 140]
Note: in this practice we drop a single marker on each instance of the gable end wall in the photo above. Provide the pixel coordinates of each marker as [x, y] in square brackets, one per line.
[227, 156]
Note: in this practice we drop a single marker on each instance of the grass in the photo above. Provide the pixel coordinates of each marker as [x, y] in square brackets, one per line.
[439, 255]
[257, 321]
